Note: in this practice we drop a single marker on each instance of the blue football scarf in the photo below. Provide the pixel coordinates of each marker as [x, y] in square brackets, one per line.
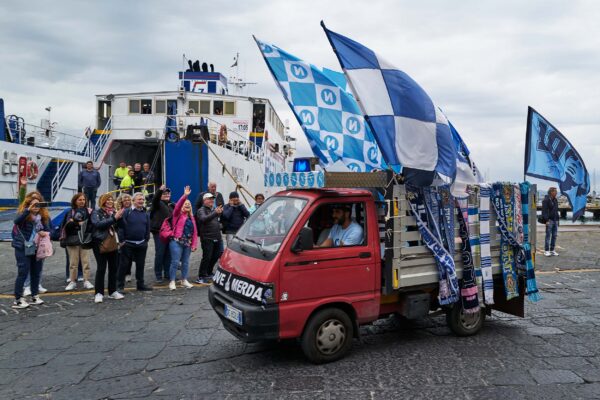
[448, 282]
[468, 292]
[484, 240]
[473, 219]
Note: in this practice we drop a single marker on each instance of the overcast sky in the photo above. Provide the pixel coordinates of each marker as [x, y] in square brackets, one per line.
[482, 62]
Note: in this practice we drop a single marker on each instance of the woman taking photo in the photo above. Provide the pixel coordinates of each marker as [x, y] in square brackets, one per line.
[77, 229]
[31, 220]
[184, 239]
[104, 221]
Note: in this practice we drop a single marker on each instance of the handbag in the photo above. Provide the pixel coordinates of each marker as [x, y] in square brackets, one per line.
[44, 247]
[166, 230]
[110, 242]
[85, 237]
[30, 248]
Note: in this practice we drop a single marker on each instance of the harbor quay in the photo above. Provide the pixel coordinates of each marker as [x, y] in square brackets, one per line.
[171, 345]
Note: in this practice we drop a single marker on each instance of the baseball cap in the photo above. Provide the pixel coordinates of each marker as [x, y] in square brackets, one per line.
[167, 190]
[208, 196]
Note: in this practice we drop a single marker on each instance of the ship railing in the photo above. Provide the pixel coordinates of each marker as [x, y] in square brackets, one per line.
[100, 144]
[244, 147]
[44, 137]
[62, 169]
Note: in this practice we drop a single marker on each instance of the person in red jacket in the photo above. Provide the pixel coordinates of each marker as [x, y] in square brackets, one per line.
[184, 239]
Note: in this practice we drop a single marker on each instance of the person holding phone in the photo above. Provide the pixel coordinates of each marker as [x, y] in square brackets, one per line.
[210, 237]
[31, 220]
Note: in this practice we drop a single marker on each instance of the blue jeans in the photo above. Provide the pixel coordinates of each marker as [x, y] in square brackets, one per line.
[27, 265]
[179, 252]
[162, 258]
[551, 233]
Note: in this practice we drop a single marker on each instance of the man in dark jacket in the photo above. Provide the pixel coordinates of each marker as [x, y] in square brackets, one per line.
[234, 216]
[210, 237]
[134, 233]
[89, 182]
[550, 216]
[162, 208]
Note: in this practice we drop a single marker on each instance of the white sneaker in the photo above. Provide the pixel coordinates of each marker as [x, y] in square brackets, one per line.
[68, 280]
[116, 296]
[88, 285]
[27, 291]
[36, 301]
[80, 279]
[21, 303]
[128, 277]
[42, 289]
[547, 253]
[172, 285]
[98, 298]
[72, 285]
[186, 284]
[554, 253]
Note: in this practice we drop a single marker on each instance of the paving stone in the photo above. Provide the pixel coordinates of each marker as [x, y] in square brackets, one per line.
[548, 376]
[573, 363]
[544, 330]
[27, 359]
[138, 351]
[509, 378]
[589, 375]
[111, 369]
[121, 387]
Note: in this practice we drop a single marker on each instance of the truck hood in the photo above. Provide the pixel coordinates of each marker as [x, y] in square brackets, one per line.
[249, 267]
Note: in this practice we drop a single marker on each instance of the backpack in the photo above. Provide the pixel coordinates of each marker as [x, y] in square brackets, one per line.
[166, 230]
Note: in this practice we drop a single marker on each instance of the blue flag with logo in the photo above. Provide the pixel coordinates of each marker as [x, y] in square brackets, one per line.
[550, 156]
[327, 112]
[408, 127]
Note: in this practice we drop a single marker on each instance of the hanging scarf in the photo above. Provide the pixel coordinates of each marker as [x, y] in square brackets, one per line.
[484, 239]
[531, 287]
[473, 219]
[468, 292]
[447, 218]
[503, 201]
[448, 283]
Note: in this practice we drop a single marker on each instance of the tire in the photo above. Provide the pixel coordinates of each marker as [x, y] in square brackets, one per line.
[462, 324]
[328, 336]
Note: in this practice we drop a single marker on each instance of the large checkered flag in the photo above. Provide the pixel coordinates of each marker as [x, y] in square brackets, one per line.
[328, 114]
[408, 127]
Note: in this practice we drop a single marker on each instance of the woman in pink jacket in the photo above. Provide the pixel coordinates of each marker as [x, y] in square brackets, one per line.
[184, 239]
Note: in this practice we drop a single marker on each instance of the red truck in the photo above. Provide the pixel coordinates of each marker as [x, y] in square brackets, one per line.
[274, 282]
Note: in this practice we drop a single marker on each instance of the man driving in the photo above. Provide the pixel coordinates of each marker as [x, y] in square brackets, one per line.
[345, 231]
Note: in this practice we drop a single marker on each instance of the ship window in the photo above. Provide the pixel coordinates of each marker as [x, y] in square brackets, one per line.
[229, 108]
[204, 106]
[218, 107]
[161, 106]
[134, 106]
[193, 105]
[146, 106]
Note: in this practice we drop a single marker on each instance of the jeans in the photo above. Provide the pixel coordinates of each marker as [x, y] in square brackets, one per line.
[179, 252]
[28, 280]
[551, 233]
[78, 254]
[67, 268]
[162, 258]
[27, 265]
[132, 253]
[90, 193]
[102, 260]
[211, 251]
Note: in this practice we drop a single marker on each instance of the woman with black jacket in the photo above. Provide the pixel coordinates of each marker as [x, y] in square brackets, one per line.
[31, 220]
[76, 226]
[104, 222]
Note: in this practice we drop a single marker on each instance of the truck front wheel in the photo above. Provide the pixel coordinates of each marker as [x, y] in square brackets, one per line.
[327, 336]
[462, 323]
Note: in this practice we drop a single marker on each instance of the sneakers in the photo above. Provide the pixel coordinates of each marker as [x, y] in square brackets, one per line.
[127, 278]
[207, 280]
[144, 289]
[88, 285]
[186, 284]
[554, 253]
[21, 303]
[116, 296]
[80, 279]
[547, 253]
[72, 285]
[172, 285]
[98, 298]
[26, 291]
[36, 301]
[42, 289]
[68, 280]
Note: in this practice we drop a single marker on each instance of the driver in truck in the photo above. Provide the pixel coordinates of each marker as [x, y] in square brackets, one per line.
[345, 231]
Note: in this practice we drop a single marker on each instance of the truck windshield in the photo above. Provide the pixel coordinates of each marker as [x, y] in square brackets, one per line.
[262, 235]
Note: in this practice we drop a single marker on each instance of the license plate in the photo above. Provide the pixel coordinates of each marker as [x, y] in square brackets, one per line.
[233, 314]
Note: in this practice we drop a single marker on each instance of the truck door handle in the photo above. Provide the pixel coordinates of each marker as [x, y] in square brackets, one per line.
[365, 254]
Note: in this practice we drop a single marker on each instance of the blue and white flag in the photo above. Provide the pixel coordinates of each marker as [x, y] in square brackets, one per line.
[550, 156]
[410, 130]
[328, 114]
[467, 172]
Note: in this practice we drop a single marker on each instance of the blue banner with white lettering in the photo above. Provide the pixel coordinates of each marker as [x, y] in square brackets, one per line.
[327, 112]
[550, 156]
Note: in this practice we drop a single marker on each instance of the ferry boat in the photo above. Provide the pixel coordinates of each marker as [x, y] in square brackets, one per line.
[193, 135]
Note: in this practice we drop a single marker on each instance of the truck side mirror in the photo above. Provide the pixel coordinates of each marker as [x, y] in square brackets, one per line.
[304, 241]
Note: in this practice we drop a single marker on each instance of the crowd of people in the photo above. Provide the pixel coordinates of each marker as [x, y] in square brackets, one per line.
[117, 233]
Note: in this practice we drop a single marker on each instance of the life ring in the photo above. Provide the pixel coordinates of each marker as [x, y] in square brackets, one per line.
[32, 170]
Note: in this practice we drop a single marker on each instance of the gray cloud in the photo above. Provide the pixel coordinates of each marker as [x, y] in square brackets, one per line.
[482, 62]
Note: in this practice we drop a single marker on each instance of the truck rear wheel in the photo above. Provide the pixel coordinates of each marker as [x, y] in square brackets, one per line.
[327, 336]
[462, 323]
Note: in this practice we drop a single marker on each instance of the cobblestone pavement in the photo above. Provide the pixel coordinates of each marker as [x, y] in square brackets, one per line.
[171, 345]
